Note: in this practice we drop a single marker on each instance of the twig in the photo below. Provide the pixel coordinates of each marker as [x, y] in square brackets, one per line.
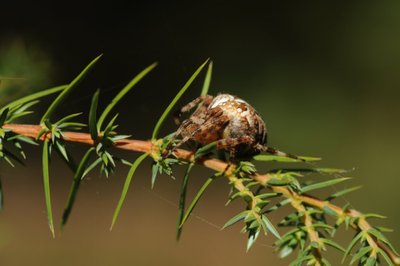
[220, 166]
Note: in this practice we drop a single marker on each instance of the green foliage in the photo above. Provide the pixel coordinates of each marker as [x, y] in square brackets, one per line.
[161, 163]
[299, 237]
[285, 179]
[197, 198]
[55, 131]
[182, 200]
[46, 184]
[324, 184]
[254, 218]
[172, 104]
[123, 92]
[32, 97]
[127, 183]
[20, 108]
[63, 95]
[343, 192]
[108, 139]
[206, 149]
[282, 159]
[308, 229]
[12, 112]
[75, 186]
[94, 131]
[207, 80]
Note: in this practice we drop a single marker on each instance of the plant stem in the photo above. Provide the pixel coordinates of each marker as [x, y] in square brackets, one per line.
[220, 166]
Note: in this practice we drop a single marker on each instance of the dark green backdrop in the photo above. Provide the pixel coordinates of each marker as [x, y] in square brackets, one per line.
[324, 75]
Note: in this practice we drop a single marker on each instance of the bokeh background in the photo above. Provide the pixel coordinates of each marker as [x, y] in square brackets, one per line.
[323, 74]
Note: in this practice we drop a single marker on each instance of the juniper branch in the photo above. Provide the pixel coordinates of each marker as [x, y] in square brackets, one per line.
[312, 233]
[298, 200]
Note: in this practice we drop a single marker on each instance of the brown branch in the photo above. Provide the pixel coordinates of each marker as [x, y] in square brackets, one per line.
[312, 233]
[217, 165]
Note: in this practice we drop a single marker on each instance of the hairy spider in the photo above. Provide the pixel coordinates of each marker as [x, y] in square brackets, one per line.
[230, 121]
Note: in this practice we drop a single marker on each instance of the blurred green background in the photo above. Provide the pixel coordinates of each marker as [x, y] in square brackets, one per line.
[323, 74]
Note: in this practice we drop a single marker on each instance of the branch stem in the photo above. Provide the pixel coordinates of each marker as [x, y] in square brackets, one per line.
[220, 166]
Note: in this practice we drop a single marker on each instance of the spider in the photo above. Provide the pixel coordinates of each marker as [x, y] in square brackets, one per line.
[230, 121]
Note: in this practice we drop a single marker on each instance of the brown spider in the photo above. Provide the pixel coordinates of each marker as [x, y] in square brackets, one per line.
[230, 121]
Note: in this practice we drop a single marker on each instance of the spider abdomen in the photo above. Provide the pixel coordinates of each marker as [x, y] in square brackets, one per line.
[229, 120]
[243, 118]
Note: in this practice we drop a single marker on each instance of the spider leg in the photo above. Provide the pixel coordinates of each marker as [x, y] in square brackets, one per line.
[204, 128]
[202, 101]
[178, 132]
[181, 142]
[197, 121]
